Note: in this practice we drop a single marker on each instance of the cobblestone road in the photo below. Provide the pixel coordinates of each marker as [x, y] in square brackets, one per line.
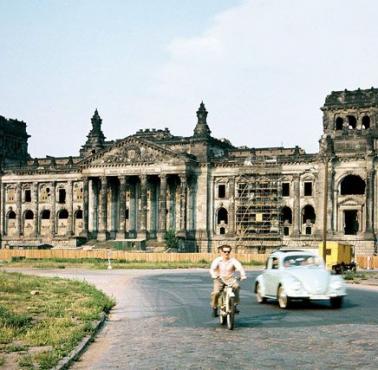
[162, 321]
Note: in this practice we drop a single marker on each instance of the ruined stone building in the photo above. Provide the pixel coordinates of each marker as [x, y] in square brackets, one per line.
[205, 189]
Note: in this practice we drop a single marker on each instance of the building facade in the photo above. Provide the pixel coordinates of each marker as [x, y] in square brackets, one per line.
[204, 189]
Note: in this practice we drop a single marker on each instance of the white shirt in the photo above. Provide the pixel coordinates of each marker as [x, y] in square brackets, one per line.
[226, 269]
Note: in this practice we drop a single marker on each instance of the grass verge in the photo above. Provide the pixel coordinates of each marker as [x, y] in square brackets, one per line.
[61, 263]
[43, 319]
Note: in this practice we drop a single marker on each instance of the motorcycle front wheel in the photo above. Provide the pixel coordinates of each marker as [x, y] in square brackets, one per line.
[231, 315]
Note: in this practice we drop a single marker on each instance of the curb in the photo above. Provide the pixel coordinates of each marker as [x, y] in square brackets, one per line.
[65, 362]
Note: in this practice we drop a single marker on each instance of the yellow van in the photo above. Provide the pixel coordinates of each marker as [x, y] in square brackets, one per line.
[339, 256]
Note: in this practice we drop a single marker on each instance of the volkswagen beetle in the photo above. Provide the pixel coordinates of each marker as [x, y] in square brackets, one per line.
[298, 275]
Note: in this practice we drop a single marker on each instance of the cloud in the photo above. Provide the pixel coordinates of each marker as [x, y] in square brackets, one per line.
[263, 69]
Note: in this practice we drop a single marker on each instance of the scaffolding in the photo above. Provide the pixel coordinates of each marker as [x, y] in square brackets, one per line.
[258, 207]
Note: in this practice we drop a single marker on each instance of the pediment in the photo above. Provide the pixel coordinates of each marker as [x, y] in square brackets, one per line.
[132, 151]
[351, 201]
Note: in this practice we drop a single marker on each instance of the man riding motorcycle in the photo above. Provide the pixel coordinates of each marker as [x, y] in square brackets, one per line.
[222, 269]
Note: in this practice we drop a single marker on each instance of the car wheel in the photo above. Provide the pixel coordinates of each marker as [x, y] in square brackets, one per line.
[336, 302]
[259, 297]
[283, 299]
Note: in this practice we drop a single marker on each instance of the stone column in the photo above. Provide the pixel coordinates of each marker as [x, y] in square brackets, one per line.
[142, 232]
[122, 208]
[53, 209]
[70, 219]
[2, 208]
[162, 207]
[183, 205]
[35, 208]
[84, 233]
[369, 201]
[102, 232]
[296, 206]
[132, 210]
[331, 194]
[19, 210]
[231, 210]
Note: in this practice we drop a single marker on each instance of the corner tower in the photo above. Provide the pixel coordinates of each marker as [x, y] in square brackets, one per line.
[350, 121]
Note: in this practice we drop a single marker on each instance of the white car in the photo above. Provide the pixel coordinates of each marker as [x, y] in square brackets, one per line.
[298, 275]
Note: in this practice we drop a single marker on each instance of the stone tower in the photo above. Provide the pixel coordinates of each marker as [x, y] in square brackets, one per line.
[95, 139]
[202, 130]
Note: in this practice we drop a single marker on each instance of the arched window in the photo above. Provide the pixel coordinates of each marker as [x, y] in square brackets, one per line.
[222, 215]
[63, 214]
[45, 214]
[79, 214]
[12, 215]
[222, 231]
[286, 215]
[339, 123]
[352, 122]
[308, 213]
[29, 215]
[365, 122]
[352, 185]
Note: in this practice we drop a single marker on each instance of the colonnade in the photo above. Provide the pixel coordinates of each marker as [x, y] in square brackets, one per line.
[143, 206]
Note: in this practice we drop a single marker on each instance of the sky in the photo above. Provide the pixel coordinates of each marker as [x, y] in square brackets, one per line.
[262, 67]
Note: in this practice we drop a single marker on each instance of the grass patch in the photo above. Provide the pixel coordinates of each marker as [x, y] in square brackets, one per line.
[101, 264]
[52, 322]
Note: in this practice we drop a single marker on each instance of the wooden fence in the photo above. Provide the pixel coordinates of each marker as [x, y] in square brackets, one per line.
[365, 262]
[6, 254]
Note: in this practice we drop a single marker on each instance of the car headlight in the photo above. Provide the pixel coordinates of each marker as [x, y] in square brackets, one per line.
[337, 284]
[296, 285]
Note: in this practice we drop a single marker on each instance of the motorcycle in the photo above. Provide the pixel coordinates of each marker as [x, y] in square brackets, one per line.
[226, 304]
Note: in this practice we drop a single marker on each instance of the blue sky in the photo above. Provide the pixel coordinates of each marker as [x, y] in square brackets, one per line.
[262, 67]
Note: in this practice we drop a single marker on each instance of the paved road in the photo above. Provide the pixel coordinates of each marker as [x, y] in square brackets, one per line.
[162, 321]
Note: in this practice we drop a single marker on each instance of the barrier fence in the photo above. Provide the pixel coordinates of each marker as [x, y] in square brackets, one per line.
[7, 254]
[365, 262]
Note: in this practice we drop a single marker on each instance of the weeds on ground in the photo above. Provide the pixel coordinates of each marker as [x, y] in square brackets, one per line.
[49, 314]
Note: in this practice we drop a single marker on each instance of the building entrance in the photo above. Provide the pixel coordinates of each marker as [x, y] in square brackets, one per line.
[350, 222]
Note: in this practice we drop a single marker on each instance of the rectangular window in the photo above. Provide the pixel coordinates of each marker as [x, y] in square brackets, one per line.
[27, 195]
[285, 189]
[221, 191]
[308, 189]
[62, 196]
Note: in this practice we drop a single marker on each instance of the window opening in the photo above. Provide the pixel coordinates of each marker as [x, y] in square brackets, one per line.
[352, 122]
[27, 195]
[62, 196]
[308, 189]
[286, 231]
[222, 215]
[45, 214]
[29, 215]
[285, 189]
[339, 123]
[63, 214]
[79, 214]
[352, 185]
[222, 231]
[365, 122]
[308, 214]
[11, 215]
[308, 230]
[286, 215]
[221, 191]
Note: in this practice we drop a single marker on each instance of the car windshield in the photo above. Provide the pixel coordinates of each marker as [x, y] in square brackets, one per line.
[302, 260]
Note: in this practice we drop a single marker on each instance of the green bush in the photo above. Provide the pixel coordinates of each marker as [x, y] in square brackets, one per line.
[171, 240]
